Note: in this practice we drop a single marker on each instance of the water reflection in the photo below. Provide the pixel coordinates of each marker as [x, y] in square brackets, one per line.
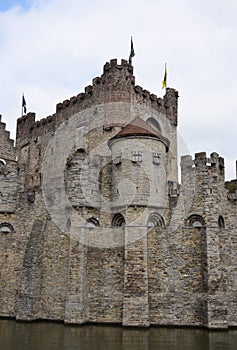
[56, 336]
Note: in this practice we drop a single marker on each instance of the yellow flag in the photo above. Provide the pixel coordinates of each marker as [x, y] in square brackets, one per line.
[165, 78]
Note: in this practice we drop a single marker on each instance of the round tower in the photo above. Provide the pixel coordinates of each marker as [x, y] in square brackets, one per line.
[139, 157]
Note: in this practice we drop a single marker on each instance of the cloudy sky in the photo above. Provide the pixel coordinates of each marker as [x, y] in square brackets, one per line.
[52, 49]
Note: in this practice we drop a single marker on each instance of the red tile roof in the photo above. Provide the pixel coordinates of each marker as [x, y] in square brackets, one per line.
[138, 127]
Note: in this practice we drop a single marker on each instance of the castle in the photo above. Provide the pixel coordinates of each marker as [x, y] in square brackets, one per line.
[94, 225]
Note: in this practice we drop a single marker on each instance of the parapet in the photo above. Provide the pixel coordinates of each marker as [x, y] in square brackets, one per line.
[201, 162]
[7, 149]
[7, 133]
[115, 78]
[116, 84]
[113, 64]
[214, 161]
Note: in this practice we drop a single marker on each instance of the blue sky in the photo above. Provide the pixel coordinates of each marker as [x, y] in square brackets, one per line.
[8, 4]
[52, 49]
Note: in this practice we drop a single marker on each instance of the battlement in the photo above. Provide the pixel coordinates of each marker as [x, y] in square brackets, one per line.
[202, 170]
[214, 160]
[201, 160]
[116, 84]
[7, 133]
[116, 75]
[113, 64]
[7, 149]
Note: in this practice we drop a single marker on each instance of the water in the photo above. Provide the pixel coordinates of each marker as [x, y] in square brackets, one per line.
[56, 336]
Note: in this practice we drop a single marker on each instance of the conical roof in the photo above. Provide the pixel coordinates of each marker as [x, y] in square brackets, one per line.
[138, 127]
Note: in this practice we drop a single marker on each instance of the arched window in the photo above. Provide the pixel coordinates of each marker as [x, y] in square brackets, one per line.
[118, 220]
[155, 220]
[153, 123]
[2, 166]
[195, 221]
[92, 222]
[221, 222]
[6, 228]
[68, 224]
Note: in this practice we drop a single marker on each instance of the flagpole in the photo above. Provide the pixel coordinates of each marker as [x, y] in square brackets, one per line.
[165, 77]
[132, 52]
[164, 81]
[22, 104]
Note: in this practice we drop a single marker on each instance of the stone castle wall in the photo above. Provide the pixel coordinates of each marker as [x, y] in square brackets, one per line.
[69, 251]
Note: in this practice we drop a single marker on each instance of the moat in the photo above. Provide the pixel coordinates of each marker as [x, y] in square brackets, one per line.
[56, 336]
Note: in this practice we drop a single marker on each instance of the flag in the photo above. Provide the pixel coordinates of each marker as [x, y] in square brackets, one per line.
[165, 78]
[132, 53]
[24, 104]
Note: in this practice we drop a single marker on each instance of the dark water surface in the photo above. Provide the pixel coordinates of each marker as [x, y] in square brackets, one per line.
[56, 336]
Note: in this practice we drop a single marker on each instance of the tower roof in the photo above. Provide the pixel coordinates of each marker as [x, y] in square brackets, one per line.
[138, 127]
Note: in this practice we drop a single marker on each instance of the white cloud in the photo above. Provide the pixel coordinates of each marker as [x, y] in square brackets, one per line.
[53, 50]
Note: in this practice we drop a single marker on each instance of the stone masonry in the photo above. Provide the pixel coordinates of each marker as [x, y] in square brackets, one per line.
[94, 226]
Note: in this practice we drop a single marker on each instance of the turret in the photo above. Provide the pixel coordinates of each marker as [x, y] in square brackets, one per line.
[139, 166]
[203, 186]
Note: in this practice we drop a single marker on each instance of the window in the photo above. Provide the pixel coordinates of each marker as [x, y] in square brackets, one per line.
[68, 224]
[6, 228]
[118, 220]
[81, 153]
[2, 166]
[196, 221]
[156, 158]
[153, 123]
[118, 160]
[136, 156]
[92, 222]
[221, 222]
[155, 220]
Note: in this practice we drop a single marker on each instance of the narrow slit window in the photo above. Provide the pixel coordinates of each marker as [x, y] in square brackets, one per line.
[156, 158]
[136, 156]
[118, 160]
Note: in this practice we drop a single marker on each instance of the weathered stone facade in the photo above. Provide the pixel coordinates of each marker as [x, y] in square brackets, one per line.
[94, 226]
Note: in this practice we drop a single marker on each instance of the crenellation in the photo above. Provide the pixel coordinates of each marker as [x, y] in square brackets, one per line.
[96, 81]
[214, 163]
[7, 148]
[138, 89]
[153, 97]
[200, 159]
[160, 101]
[59, 106]
[73, 100]
[66, 103]
[145, 94]
[171, 104]
[88, 91]
[2, 126]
